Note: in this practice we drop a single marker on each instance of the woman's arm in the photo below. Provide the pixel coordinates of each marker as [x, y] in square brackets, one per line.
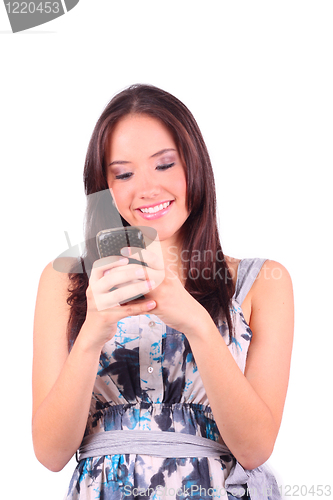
[247, 408]
[62, 382]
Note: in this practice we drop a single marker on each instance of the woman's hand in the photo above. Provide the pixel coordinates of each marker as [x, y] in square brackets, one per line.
[113, 283]
[175, 306]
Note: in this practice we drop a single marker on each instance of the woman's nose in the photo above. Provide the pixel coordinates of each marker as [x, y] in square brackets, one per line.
[148, 187]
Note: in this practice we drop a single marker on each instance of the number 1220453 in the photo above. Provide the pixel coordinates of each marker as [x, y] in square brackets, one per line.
[33, 7]
[305, 491]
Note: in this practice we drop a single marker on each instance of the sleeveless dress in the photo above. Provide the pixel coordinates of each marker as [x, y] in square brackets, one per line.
[148, 381]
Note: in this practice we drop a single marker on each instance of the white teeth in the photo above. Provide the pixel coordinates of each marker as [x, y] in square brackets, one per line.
[157, 208]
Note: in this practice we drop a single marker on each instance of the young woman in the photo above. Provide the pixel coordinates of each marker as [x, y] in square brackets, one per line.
[179, 394]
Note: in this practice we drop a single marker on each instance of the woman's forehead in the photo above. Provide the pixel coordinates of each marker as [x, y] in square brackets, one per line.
[138, 133]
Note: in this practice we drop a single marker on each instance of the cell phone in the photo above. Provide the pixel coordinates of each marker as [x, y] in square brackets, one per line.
[111, 241]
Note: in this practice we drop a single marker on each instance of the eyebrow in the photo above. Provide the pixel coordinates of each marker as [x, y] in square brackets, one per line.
[162, 152]
[159, 153]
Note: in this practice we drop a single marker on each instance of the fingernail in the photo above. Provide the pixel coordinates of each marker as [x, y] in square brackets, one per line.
[151, 305]
[126, 251]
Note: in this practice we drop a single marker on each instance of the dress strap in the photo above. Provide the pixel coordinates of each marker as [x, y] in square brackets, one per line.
[248, 270]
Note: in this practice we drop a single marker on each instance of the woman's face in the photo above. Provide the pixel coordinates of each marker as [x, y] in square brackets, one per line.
[147, 176]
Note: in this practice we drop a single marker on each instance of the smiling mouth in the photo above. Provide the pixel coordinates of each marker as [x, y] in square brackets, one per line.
[155, 209]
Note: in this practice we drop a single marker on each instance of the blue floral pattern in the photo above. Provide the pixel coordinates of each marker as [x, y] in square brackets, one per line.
[148, 380]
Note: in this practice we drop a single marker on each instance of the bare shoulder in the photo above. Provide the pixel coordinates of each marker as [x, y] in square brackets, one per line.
[272, 301]
[54, 280]
[52, 292]
[274, 280]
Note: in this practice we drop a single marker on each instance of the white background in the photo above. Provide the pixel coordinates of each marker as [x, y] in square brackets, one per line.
[257, 76]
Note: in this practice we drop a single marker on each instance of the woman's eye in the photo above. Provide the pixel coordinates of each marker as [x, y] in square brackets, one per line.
[165, 167]
[124, 176]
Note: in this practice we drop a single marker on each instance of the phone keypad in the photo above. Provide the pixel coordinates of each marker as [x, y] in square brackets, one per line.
[111, 244]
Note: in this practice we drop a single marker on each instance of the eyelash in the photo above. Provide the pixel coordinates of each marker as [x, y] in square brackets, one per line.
[124, 176]
[129, 174]
[165, 167]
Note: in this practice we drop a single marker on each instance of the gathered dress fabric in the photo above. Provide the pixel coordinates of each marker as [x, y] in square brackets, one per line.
[148, 381]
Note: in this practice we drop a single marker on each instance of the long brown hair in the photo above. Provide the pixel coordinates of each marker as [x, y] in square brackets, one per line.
[199, 233]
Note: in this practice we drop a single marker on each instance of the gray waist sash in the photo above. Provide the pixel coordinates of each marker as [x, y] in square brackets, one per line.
[260, 482]
[156, 443]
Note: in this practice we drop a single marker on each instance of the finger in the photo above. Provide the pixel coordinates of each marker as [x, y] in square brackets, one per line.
[152, 259]
[105, 264]
[133, 308]
[120, 274]
[122, 295]
[129, 274]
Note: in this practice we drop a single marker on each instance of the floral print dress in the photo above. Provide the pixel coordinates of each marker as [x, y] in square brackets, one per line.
[148, 381]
